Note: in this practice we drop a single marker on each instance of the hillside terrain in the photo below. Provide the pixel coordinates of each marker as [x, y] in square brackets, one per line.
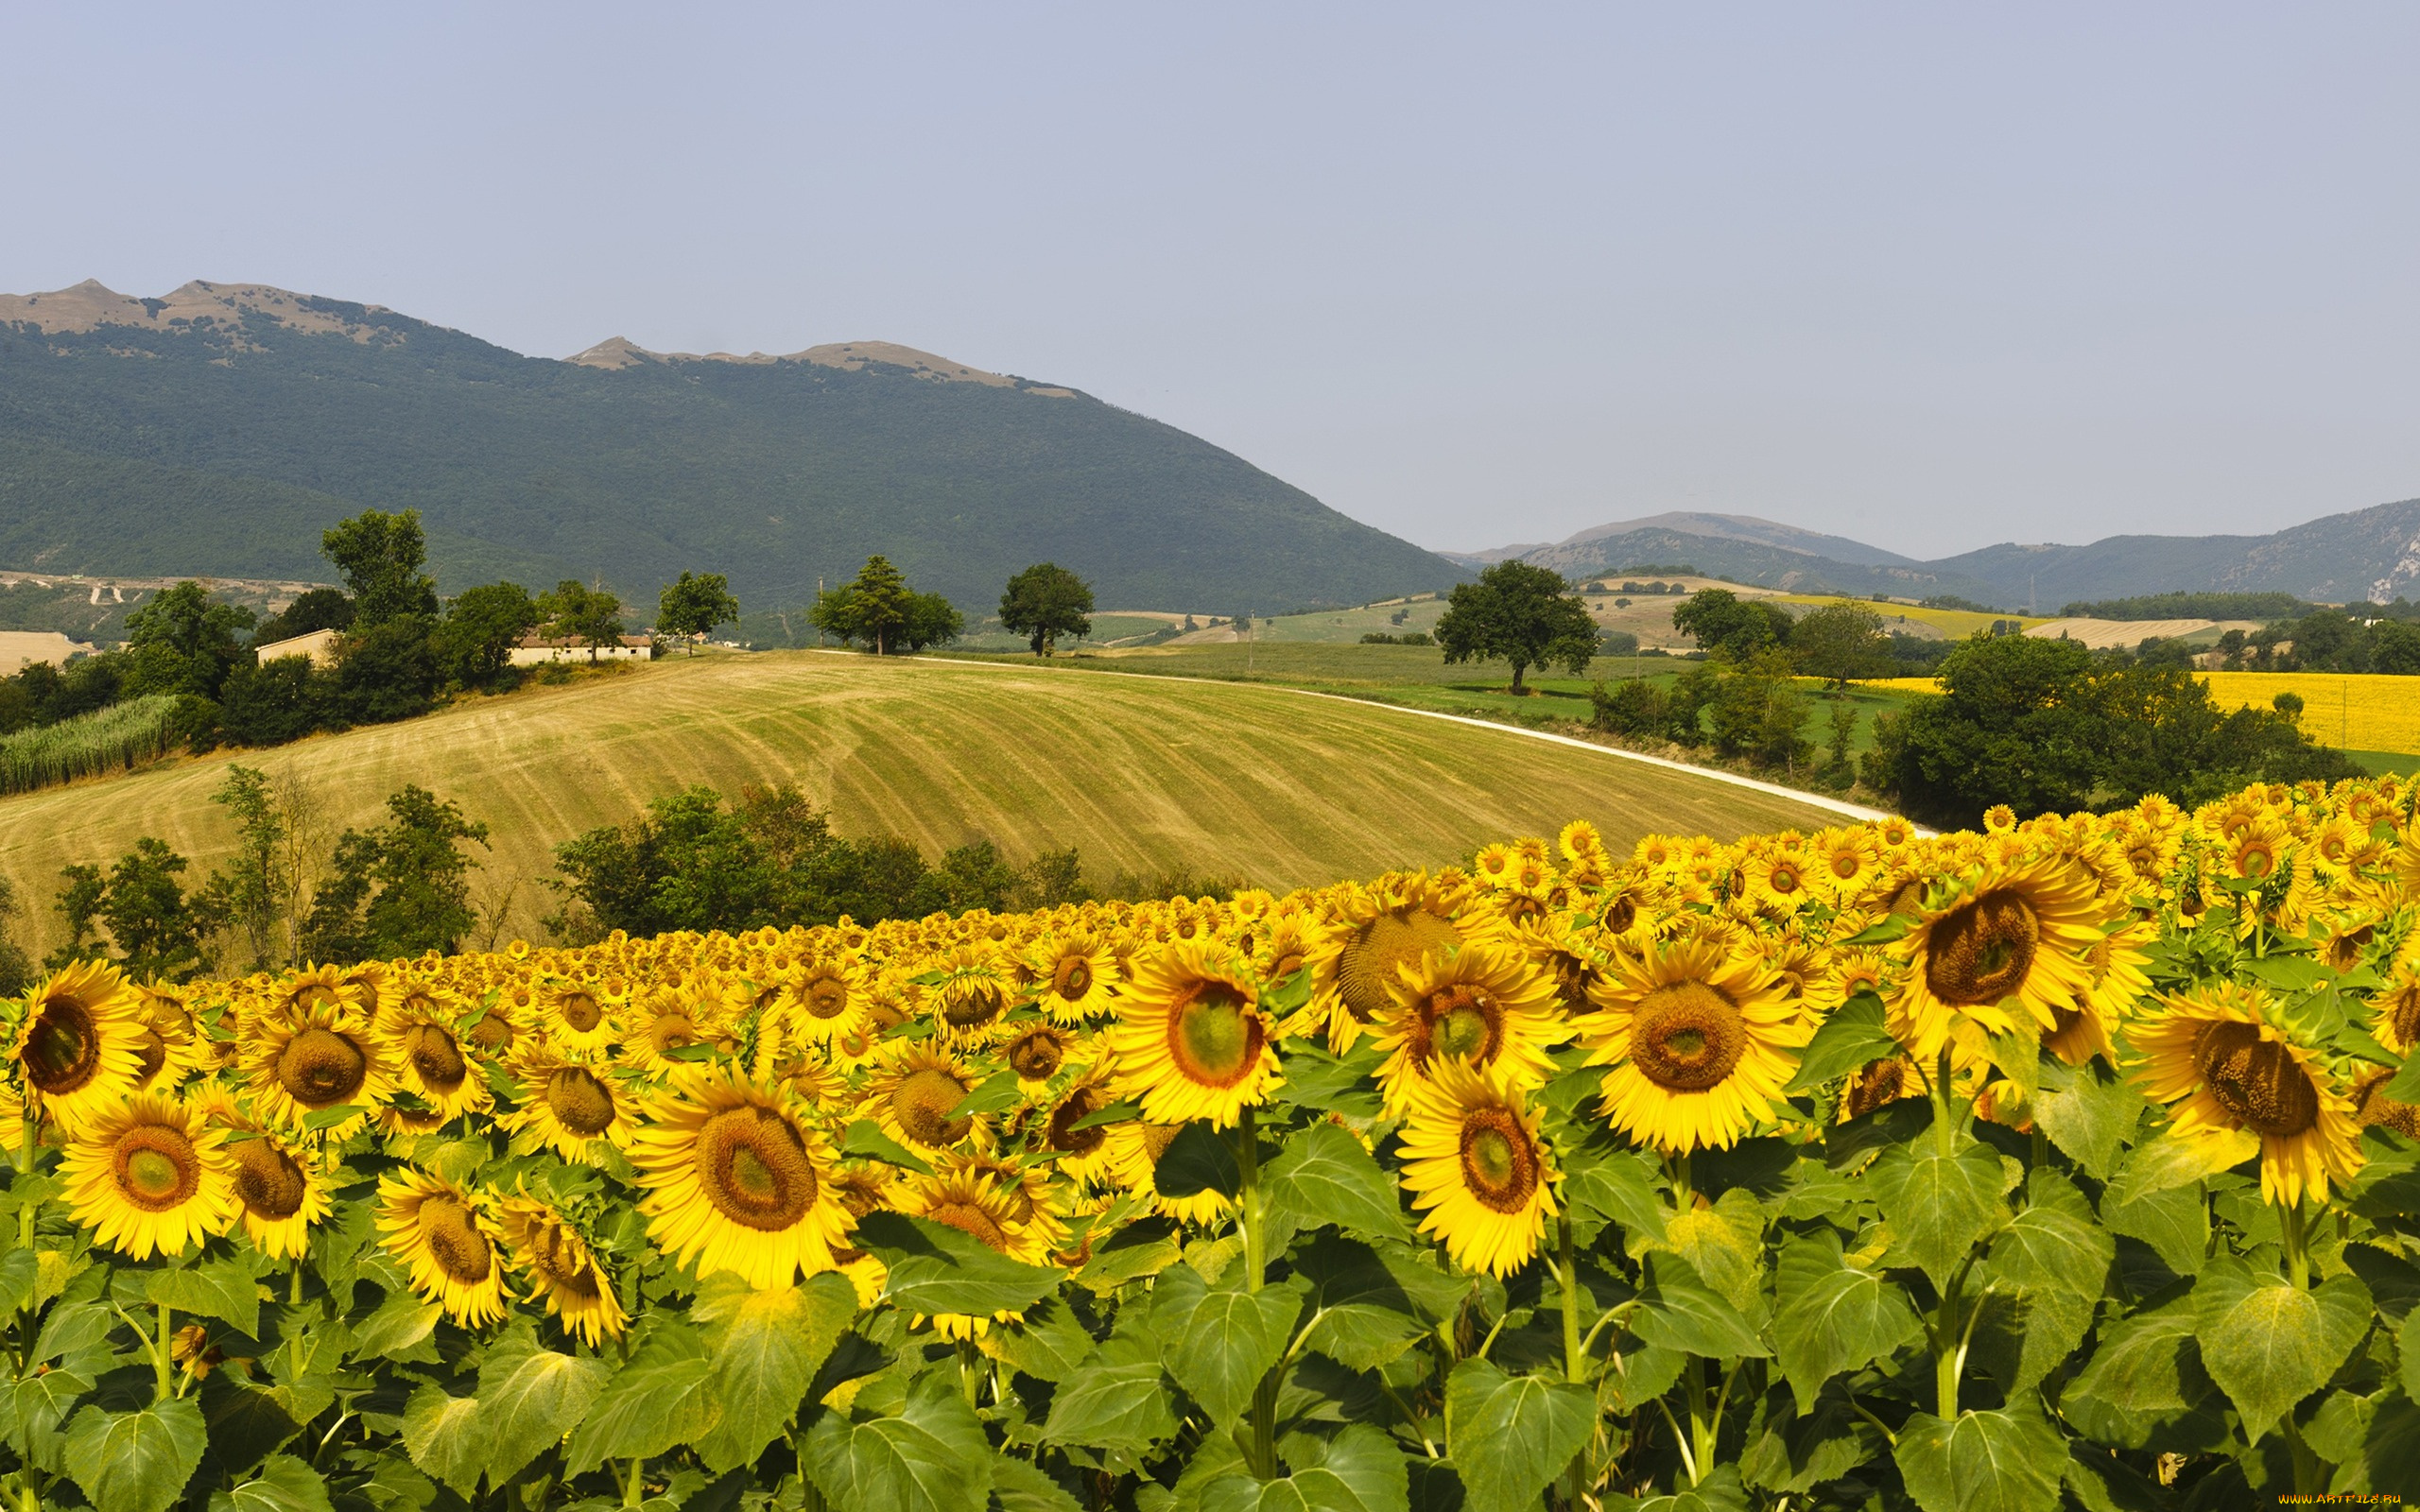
[1139, 774]
[2368, 554]
[217, 430]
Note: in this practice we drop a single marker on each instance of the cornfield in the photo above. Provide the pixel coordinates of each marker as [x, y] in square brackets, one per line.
[2068, 1163]
[120, 737]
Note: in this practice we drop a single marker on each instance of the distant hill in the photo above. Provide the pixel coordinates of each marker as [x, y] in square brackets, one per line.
[2369, 554]
[219, 429]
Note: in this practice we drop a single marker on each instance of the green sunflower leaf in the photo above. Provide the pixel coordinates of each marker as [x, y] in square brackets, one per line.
[2268, 1343]
[935, 1268]
[1511, 1436]
[1325, 1177]
[932, 1457]
[1851, 1037]
[2007, 1461]
[136, 1460]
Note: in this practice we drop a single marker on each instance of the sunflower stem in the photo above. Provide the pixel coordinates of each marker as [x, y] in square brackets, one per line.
[2293, 1225]
[28, 1141]
[1705, 1423]
[1263, 1448]
[1574, 1362]
[160, 1364]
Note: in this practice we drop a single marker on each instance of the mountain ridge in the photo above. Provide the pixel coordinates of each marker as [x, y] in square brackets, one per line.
[223, 425]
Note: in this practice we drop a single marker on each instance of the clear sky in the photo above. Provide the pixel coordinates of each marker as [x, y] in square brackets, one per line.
[1932, 276]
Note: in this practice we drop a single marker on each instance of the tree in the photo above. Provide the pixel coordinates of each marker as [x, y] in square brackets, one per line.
[184, 642]
[1729, 627]
[1044, 601]
[271, 703]
[1756, 713]
[574, 612]
[1841, 644]
[1520, 613]
[695, 605]
[251, 891]
[317, 609]
[399, 889]
[389, 671]
[16, 967]
[481, 626]
[154, 929]
[871, 608]
[380, 556]
[932, 620]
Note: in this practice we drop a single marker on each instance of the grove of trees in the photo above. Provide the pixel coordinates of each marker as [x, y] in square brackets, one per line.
[879, 611]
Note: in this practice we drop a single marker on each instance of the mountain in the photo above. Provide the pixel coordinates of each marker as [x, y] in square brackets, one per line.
[220, 429]
[2370, 554]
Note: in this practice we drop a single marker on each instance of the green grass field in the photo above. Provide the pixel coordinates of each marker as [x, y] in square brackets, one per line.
[1139, 774]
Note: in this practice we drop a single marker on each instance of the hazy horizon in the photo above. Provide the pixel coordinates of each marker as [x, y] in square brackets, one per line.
[1931, 281]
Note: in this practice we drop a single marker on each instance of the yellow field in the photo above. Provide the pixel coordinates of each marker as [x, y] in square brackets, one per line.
[1955, 624]
[2349, 711]
[1139, 774]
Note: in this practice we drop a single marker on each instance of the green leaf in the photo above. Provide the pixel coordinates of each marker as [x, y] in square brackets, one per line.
[1219, 1342]
[1793, 1452]
[1724, 1244]
[1116, 1407]
[2407, 1349]
[2267, 1343]
[1830, 1317]
[20, 1273]
[1333, 1084]
[1937, 1205]
[1719, 1492]
[33, 1408]
[224, 1289]
[136, 1460]
[396, 1329]
[2169, 1162]
[2006, 1461]
[1851, 1036]
[2175, 1223]
[1509, 1435]
[1368, 1306]
[935, 1269]
[529, 1398]
[1018, 1487]
[2146, 1371]
[998, 1092]
[1199, 1159]
[447, 1436]
[1325, 1177]
[285, 1484]
[766, 1348]
[2089, 1116]
[1145, 1247]
[654, 1403]
[1677, 1311]
[1358, 1470]
[2054, 1245]
[2022, 1333]
[865, 1137]
[1614, 1188]
[1048, 1344]
[1113, 1113]
[932, 1457]
[2405, 1087]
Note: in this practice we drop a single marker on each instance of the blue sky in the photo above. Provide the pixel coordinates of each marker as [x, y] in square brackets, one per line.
[1933, 276]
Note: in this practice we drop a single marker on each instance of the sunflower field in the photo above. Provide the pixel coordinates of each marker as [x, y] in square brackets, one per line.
[2067, 1164]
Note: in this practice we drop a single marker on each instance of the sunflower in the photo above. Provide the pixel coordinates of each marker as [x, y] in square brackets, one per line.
[1133, 1154]
[563, 1270]
[575, 1017]
[913, 1096]
[2007, 948]
[1779, 879]
[1036, 1050]
[1486, 1004]
[661, 1022]
[446, 1242]
[308, 1058]
[149, 1176]
[1076, 974]
[823, 999]
[1190, 1036]
[2224, 1058]
[1474, 1165]
[566, 1105]
[2120, 978]
[971, 996]
[305, 988]
[734, 1181]
[428, 1060]
[1877, 1082]
[1008, 1209]
[79, 1048]
[1701, 1042]
[283, 1189]
[1081, 1155]
[2396, 1008]
[1379, 928]
[166, 1043]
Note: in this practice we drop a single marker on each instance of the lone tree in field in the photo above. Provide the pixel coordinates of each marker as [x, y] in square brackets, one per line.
[576, 611]
[878, 609]
[1519, 614]
[381, 555]
[695, 605]
[1044, 601]
[1841, 644]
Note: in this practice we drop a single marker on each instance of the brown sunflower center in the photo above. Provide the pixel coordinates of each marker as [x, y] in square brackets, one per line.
[827, 997]
[1036, 1056]
[1620, 914]
[1687, 1037]
[1982, 949]
[921, 1102]
[321, 1068]
[1064, 1137]
[969, 1005]
[315, 995]
[1463, 1024]
[1073, 978]
[2403, 1015]
[1213, 1035]
[754, 1168]
[62, 1050]
[579, 1010]
[268, 1180]
[435, 1057]
[2255, 1079]
[1499, 1165]
[969, 1219]
[1877, 1083]
[156, 1167]
[150, 1054]
[455, 1242]
[1369, 961]
[2345, 951]
[492, 1033]
[670, 1032]
[559, 1258]
[580, 1102]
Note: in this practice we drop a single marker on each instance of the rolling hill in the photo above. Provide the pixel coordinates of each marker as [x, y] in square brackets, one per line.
[219, 429]
[1137, 773]
[2368, 554]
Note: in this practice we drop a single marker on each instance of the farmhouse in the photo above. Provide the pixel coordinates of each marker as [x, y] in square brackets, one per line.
[320, 645]
[534, 650]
